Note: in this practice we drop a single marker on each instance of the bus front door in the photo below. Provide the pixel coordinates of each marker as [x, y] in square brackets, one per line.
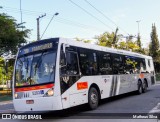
[69, 74]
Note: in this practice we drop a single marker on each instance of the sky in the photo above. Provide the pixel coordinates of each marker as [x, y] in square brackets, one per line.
[77, 18]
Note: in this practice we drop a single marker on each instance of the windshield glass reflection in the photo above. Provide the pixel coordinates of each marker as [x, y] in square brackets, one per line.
[35, 69]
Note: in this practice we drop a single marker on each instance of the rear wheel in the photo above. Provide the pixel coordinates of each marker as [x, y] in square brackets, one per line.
[93, 98]
[144, 87]
[140, 88]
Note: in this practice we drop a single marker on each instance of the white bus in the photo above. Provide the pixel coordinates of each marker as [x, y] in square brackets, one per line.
[57, 73]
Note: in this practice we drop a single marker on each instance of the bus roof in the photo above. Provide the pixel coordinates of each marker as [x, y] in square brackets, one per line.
[101, 48]
[88, 46]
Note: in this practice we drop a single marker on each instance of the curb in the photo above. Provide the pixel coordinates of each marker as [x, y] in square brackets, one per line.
[6, 102]
[11, 111]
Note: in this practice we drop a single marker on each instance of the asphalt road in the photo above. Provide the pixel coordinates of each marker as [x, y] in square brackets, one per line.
[120, 108]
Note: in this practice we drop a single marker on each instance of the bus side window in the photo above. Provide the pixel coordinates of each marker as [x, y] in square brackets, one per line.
[131, 65]
[88, 61]
[105, 67]
[72, 63]
[118, 64]
[142, 65]
[69, 63]
[149, 64]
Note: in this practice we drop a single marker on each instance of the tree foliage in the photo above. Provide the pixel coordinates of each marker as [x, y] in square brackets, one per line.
[112, 40]
[139, 42]
[10, 36]
[83, 40]
[154, 45]
[108, 39]
[6, 70]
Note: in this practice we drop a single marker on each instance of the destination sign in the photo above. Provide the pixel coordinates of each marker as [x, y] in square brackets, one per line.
[42, 47]
[37, 48]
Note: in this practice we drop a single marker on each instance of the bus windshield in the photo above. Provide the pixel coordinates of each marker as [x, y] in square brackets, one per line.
[35, 69]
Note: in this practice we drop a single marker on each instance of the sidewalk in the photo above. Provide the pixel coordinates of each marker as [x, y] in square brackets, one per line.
[157, 82]
[6, 102]
[6, 107]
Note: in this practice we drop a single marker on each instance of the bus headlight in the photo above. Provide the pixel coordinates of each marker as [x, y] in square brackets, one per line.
[15, 95]
[49, 93]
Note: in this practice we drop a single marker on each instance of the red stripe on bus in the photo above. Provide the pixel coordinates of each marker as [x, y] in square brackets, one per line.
[82, 85]
[34, 88]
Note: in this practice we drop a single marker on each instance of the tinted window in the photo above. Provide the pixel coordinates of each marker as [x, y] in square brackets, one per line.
[118, 67]
[105, 67]
[131, 65]
[149, 64]
[88, 61]
[142, 65]
[71, 67]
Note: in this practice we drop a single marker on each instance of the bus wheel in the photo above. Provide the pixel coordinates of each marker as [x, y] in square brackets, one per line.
[140, 88]
[144, 87]
[93, 98]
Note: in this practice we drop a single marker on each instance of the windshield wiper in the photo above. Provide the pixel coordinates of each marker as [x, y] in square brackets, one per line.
[53, 70]
[39, 61]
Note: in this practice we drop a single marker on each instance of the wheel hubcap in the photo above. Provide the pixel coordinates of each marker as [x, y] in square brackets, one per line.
[140, 89]
[93, 98]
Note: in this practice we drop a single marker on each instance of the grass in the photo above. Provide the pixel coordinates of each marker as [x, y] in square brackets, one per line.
[5, 95]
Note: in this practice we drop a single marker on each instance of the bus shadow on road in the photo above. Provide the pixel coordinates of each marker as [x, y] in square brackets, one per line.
[59, 114]
[122, 96]
[77, 110]
[118, 97]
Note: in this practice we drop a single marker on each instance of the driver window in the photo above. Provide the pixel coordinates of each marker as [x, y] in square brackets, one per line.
[71, 67]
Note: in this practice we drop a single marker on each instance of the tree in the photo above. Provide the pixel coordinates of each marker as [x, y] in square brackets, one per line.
[6, 69]
[1, 69]
[128, 45]
[122, 45]
[139, 42]
[83, 40]
[108, 39]
[115, 39]
[10, 36]
[154, 44]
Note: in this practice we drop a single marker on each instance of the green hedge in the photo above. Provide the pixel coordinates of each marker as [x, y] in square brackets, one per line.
[157, 76]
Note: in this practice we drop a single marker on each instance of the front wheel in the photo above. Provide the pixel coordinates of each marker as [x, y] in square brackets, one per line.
[93, 98]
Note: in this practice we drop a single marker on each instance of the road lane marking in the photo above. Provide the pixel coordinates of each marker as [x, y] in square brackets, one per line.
[156, 109]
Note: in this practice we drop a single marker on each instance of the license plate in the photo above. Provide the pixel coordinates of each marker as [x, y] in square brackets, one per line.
[29, 101]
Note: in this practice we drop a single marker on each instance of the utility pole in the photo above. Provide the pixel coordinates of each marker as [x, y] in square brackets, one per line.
[38, 33]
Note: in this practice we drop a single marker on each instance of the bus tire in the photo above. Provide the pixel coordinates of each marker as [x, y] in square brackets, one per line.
[140, 87]
[93, 98]
[144, 86]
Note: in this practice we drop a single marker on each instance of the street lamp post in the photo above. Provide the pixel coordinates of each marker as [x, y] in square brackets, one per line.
[138, 36]
[138, 21]
[49, 24]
